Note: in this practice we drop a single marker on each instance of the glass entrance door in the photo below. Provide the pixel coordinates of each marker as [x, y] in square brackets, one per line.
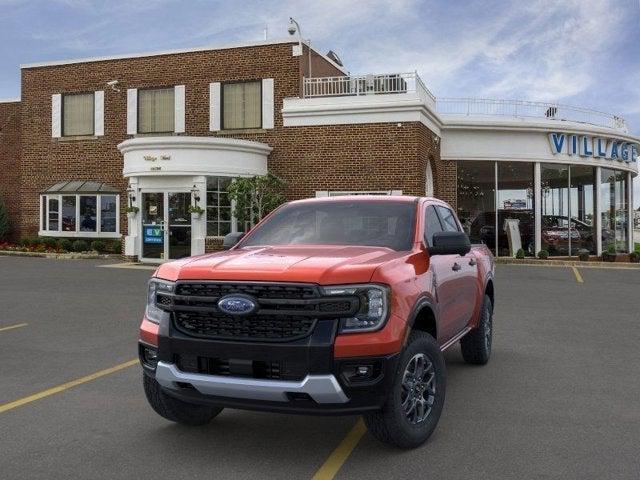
[153, 222]
[166, 225]
[179, 225]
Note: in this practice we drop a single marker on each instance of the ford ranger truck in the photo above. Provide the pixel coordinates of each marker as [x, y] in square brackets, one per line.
[329, 306]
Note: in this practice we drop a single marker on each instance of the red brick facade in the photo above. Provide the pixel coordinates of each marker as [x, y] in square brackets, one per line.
[383, 156]
[10, 159]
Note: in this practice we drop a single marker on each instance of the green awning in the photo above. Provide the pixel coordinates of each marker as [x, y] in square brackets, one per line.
[81, 186]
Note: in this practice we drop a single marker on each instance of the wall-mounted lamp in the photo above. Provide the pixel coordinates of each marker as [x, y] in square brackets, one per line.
[195, 193]
[132, 195]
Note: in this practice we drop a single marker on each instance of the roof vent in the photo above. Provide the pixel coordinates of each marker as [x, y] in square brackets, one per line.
[334, 56]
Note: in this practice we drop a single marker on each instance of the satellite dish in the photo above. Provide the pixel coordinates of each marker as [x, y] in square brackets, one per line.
[334, 56]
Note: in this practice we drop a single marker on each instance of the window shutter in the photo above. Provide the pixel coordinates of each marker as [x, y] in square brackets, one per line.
[179, 97]
[214, 106]
[56, 115]
[267, 103]
[98, 111]
[132, 111]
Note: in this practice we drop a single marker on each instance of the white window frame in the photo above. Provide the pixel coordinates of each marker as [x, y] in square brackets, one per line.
[234, 220]
[77, 233]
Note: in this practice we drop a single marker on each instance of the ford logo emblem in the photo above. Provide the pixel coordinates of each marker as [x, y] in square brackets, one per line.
[237, 305]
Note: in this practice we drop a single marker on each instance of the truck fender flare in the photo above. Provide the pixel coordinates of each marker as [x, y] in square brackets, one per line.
[421, 303]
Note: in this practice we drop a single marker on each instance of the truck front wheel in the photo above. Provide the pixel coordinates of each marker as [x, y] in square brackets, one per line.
[176, 410]
[414, 404]
[476, 345]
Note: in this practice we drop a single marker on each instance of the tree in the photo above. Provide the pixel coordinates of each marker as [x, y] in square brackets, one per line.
[5, 225]
[254, 197]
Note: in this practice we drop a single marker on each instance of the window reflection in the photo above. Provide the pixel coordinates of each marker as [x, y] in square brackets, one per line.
[516, 223]
[582, 208]
[613, 201]
[476, 201]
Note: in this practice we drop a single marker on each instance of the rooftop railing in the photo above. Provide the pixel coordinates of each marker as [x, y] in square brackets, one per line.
[526, 109]
[357, 85]
[398, 83]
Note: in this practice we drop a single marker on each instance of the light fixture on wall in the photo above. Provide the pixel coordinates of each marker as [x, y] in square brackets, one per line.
[132, 195]
[195, 193]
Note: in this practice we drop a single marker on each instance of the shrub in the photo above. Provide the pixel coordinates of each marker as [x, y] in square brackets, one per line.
[634, 257]
[28, 241]
[543, 254]
[98, 246]
[611, 249]
[80, 246]
[116, 247]
[65, 244]
[48, 242]
[520, 253]
[583, 255]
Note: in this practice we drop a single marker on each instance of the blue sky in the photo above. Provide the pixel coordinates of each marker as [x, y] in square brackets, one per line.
[582, 52]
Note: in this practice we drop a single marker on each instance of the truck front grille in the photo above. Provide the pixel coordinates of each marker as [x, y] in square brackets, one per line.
[254, 327]
[285, 312]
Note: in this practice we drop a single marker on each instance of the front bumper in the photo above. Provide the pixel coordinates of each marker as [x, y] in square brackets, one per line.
[309, 381]
[319, 388]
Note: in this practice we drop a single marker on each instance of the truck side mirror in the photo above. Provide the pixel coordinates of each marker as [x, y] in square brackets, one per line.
[231, 239]
[450, 243]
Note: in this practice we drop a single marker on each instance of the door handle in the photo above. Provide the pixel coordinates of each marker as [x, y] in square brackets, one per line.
[473, 262]
[456, 267]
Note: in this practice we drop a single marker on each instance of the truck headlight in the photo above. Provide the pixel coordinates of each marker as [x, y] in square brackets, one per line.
[153, 312]
[374, 306]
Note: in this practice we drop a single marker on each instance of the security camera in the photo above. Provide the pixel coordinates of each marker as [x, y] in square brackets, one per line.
[291, 29]
[112, 84]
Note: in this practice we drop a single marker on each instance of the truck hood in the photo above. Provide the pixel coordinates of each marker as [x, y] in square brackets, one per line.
[324, 265]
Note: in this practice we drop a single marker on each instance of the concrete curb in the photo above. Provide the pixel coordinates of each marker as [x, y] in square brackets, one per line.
[567, 263]
[59, 256]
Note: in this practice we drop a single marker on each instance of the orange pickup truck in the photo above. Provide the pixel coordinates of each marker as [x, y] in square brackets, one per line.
[330, 306]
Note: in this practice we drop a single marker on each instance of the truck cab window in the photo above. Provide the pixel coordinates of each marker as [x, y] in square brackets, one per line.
[431, 225]
[449, 223]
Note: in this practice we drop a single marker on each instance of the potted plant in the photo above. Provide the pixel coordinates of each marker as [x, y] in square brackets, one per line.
[610, 255]
[583, 255]
[132, 211]
[195, 211]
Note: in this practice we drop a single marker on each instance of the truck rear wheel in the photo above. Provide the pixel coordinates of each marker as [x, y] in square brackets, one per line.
[414, 404]
[476, 345]
[176, 410]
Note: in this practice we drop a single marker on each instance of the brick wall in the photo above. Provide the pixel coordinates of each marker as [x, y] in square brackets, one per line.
[338, 157]
[10, 159]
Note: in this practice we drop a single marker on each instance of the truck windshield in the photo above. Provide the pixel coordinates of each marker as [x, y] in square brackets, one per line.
[366, 223]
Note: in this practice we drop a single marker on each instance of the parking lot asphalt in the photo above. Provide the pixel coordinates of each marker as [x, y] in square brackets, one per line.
[559, 398]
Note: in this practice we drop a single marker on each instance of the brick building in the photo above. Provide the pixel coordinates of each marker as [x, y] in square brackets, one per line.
[162, 131]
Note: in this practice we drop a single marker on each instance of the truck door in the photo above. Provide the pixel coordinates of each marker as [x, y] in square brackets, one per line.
[465, 273]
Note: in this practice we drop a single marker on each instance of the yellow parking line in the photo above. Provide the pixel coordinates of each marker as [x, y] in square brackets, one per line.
[11, 327]
[332, 465]
[65, 386]
[576, 272]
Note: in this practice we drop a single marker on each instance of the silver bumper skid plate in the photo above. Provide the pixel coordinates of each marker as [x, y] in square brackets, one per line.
[321, 388]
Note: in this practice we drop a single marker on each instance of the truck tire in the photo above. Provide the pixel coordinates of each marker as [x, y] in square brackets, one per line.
[176, 410]
[413, 406]
[476, 345]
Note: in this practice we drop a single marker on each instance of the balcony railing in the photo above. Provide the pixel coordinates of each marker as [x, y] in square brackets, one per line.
[399, 83]
[526, 109]
[356, 85]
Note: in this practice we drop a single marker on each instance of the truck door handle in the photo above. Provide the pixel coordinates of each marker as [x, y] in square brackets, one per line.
[456, 267]
[473, 262]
